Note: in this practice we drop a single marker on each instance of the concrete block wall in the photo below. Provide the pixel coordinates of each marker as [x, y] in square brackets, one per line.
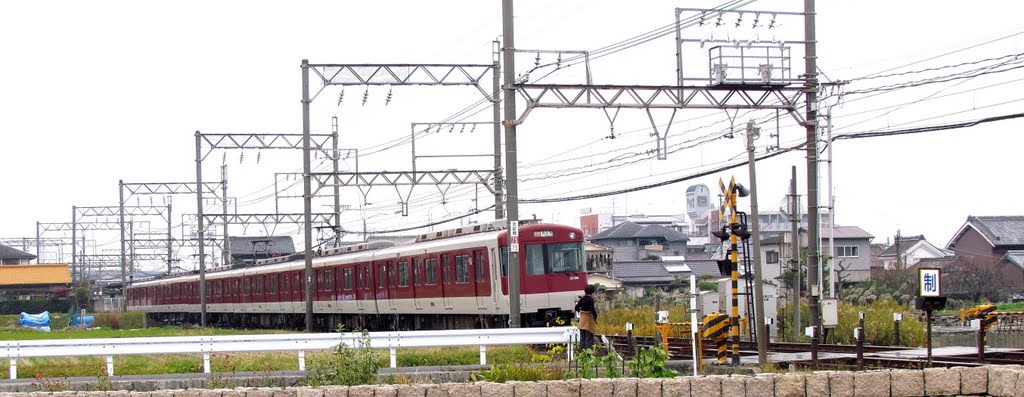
[998, 381]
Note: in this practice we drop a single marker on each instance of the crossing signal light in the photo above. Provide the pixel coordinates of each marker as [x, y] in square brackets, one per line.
[725, 267]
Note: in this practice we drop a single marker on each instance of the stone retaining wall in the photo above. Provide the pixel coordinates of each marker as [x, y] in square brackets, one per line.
[1000, 381]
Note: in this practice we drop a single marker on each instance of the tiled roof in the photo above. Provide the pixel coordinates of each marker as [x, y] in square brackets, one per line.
[846, 232]
[13, 253]
[641, 272]
[630, 230]
[249, 246]
[702, 267]
[1000, 230]
[1016, 257]
[35, 274]
[906, 242]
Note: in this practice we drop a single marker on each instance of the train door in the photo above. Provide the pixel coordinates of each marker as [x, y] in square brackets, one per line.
[362, 282]
[534, 277]
[391, 283]
[481, 283]
[417, 282]
[447, 281]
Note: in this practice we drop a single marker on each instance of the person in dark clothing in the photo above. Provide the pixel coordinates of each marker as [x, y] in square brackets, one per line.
[588, 317]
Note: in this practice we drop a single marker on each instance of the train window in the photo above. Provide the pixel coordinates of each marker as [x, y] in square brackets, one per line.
[504, 261]
[431, 271]
[403, 274]
[380, 277]
[285, 285]
[246, 286]
[481, 267]
[392, 277]
[565, 257]
[259, 285]
[297, 283]
[534, 259]
[462, 269]
[446, 271]
[328, 280]
[366, 276]
[348, 278]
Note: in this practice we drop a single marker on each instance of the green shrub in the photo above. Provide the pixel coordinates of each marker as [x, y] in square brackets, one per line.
[350, 366]
[592, 365]
[519, 372]
[650, 363]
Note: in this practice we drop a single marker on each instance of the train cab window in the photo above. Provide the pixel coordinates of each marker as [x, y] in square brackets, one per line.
[328, 280]
[534, 259]
[565, 257]
[403, 274]
[348, 278]
[481, 267]
[462, 269]
[431, 271]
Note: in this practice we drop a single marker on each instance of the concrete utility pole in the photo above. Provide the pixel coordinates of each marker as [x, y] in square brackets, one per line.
[797, 281]
[307, 197]
[811, 88]
[226, 251]
[511, 181]
[762, 337]
[201, 233]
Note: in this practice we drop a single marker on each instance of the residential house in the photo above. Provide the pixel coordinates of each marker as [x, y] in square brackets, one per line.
[599, 257]
[993, 241]
[631, 242]
[639, 275]
[34, 282]
[852, 253]
[908, 250]
[13, 256]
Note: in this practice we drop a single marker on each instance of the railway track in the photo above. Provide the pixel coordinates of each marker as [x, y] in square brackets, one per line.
[875, 357]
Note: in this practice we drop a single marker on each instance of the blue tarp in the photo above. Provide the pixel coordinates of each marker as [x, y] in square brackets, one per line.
[39, 321]
[77, 321]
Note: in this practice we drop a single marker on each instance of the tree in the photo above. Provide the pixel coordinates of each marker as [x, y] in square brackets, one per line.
[841, 269]
[973, 278]
[651, 257]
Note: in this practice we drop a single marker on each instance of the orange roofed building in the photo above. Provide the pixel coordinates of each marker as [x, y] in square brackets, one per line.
[34, 282]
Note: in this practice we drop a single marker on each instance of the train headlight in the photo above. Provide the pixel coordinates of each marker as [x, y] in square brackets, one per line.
[572, 234]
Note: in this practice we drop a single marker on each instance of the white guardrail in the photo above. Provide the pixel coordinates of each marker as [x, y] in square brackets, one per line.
[110, 347]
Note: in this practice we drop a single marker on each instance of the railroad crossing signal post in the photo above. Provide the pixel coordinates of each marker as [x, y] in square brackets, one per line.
[929, 299]
[733, 230]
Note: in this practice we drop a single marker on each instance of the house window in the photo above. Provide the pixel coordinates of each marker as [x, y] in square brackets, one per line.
[771, 257]
[847, 252]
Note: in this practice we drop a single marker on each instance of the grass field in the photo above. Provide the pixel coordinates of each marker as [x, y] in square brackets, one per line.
[260, 364]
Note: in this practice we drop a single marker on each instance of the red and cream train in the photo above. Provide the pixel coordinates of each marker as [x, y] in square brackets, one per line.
[448, 279]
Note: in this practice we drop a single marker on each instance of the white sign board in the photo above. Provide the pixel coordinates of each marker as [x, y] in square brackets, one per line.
[897, 317]
[513, 236]
[928, 280]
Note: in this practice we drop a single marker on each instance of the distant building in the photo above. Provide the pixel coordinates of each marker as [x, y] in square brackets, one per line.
[639, 275]
[996, 241]
[908, 251]
[599, 257]
[698, 201]
[592, 224]
[631, 241]
[246, 250]
[13, 256]
[34, 282]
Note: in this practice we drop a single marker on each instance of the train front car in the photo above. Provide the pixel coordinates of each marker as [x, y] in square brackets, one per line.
[552, 272]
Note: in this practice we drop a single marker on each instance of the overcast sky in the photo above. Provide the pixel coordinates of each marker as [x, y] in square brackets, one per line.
[92, 93]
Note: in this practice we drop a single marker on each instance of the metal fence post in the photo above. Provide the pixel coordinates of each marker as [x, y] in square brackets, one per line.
[394, 357]
[14, 368]
[206, 363]
[483, 354]
[302, 360]
[110, 365]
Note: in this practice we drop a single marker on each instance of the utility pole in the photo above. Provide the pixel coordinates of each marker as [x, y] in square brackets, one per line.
[75, 271]
[170, 238]
[762, 337]
[335, 155]
[201, 233]
[499, 206]
[899, 259]
[307, 197]
[797, 281]
[511, 181]
[811, 120]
